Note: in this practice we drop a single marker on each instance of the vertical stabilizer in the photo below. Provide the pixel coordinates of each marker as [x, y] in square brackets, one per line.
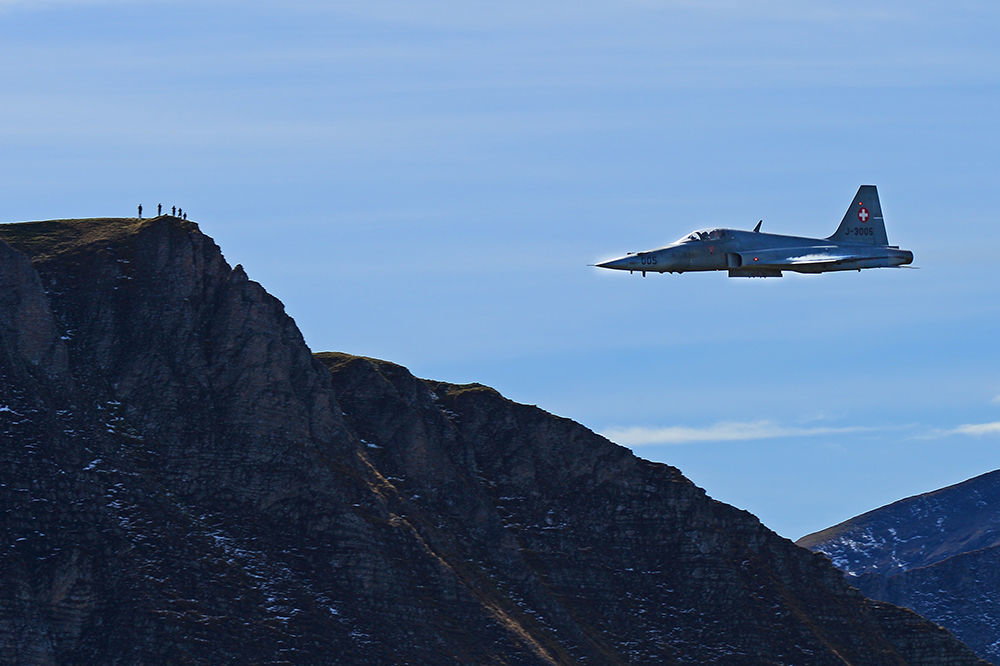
[863, 221]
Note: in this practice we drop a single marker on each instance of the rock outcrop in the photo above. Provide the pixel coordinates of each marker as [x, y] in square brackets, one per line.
[183, 481]
[937, 553]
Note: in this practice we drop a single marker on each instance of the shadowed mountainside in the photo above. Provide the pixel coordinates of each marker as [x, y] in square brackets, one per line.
[183, 481]
[938, 553]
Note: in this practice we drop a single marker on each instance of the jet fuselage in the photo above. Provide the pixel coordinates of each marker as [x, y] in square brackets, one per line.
[744, 251]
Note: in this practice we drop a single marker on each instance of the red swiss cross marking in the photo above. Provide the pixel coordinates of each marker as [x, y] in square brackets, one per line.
[863, 214]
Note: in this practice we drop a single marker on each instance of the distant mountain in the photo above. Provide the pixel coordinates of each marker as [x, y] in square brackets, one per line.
[182, 481]
[937, 553]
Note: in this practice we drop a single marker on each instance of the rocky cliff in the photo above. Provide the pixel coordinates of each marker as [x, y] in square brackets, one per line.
[181, 480]
[938, 553]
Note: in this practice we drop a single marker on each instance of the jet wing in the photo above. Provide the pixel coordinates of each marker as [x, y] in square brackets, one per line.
[819, 259]
[795, 256]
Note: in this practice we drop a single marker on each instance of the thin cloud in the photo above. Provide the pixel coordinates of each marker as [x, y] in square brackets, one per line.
[727, 431]
[786, 11]
[44, 4]
[39, 5]
[977, 429]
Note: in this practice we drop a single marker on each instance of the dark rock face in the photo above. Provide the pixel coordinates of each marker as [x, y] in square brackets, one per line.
[937, 553]
[182, 481]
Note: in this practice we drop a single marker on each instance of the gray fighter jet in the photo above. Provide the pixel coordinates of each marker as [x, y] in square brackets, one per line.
[859, 242]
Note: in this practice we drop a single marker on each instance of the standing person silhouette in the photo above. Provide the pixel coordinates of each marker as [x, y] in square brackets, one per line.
[180, 213]
[140, 211]
[159, 209]
[185, 216]
[173, 211]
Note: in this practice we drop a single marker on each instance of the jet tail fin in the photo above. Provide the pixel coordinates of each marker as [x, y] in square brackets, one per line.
[862, 223]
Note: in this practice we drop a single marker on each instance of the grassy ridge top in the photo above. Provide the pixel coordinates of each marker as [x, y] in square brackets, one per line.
[336, 361]
[51, 237]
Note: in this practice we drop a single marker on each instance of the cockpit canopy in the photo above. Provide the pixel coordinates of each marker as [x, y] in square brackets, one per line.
[704, 235]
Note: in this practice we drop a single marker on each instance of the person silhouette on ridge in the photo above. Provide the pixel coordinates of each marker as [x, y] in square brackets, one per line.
[140, 211]
[173, 211]
[159, 209]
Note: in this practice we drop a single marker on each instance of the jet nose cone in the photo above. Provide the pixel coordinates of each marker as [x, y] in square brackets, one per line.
[623, 263]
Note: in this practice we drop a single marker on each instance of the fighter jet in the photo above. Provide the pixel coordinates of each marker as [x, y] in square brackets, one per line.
[859, 242]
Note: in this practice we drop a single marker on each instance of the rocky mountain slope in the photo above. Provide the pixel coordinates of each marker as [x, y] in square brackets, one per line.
[937, 553]
[182, 481]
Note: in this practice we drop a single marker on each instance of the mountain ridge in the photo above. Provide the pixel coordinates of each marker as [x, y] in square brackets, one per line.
[186, 481]
[978, 527]
[936, 552]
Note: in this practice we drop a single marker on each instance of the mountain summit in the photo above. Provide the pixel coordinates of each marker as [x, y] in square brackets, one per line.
[182, 480]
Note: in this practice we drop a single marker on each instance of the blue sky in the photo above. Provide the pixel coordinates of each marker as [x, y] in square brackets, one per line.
[427, 181]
